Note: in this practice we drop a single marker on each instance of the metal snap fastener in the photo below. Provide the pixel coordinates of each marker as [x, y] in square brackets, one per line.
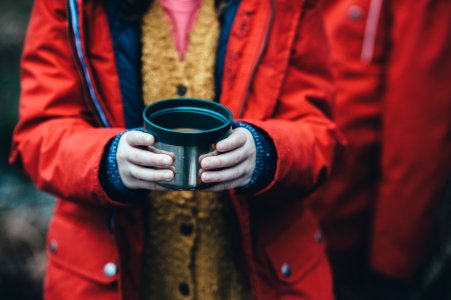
[286, 270]
[355, 12]
[319, 236]
[110, 269]
[53, 246]
[244, 27]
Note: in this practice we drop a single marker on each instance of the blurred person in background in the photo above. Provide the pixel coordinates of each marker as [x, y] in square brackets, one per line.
[392, 63]
[88, 69]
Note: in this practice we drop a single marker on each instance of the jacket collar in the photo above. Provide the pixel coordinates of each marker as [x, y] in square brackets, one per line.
[247, 42]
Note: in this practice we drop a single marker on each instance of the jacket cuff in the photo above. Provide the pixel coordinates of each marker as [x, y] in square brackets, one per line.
[109, 174]
[266, 159]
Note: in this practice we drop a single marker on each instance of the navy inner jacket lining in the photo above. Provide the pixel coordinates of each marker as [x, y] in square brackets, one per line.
[126, 37]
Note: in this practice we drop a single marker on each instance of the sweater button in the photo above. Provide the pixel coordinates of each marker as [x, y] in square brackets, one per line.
[186, 229]
[286, 270]
[181, 90]
[184, 289]
[110, 269]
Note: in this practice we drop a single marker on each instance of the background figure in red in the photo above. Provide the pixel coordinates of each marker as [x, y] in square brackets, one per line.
[392, 62]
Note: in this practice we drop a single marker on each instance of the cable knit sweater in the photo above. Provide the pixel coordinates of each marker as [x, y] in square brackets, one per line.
[191, 249]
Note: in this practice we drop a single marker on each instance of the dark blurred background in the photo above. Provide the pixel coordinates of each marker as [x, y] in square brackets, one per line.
[24, 211]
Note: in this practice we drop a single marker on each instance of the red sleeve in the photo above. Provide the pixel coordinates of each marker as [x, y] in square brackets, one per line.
[56, 141]
[416, 138]
[301, 127]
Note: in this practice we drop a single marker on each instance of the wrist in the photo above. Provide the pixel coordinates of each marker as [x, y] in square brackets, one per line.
[265, 160]
[109, 173]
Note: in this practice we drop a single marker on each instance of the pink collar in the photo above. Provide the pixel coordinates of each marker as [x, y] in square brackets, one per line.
[182, 15]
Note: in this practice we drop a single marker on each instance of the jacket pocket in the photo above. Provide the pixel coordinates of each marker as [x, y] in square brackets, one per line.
[79, 242]
[296, 251]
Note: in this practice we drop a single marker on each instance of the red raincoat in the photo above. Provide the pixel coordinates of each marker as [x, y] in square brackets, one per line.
[276, 76]
[392, 62]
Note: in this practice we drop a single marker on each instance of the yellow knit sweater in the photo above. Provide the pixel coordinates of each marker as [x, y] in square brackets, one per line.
[191, 250]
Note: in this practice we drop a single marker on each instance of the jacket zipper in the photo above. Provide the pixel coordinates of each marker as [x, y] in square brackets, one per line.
[259, 58]
[369, 38]
[77, 51]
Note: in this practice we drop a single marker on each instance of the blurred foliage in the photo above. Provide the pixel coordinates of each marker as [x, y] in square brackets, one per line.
[24, 211]
[13, 23]
[24, 215]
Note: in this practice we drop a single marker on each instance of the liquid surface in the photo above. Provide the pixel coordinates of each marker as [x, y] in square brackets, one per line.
[184, 129]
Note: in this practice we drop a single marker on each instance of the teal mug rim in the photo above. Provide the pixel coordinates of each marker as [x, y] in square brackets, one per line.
[197, 106]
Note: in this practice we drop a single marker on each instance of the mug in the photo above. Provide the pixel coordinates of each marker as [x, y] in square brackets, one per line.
[189, 128]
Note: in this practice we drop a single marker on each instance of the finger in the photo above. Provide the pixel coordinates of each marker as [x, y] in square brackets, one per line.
[145, 185]
[146, 158]
[159, 151]
[225, 174]
[150, 175]
[138, 138]
[212, 153]
[236, 139]
[223, 186]
[224, 160]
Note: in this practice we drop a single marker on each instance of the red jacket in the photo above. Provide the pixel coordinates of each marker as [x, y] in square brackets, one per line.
[392, 62]
[276, 72]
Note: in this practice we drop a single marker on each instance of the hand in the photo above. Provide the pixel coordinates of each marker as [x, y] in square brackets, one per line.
[140, 165]
[233, 162]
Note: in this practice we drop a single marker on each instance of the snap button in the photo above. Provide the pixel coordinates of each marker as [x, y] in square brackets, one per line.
[243, 27]
[243, 22]
[110, 269]
[184, 289]
[355, 12]
[181, 90]
[53, 246]
[186, 229]
[285, 270]
[319, 236]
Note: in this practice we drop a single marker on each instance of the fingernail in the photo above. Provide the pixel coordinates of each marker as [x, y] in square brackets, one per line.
[206, 163]
[205, 177]
[168, 176]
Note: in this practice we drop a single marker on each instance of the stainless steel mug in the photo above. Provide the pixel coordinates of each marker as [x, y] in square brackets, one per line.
[189, 128]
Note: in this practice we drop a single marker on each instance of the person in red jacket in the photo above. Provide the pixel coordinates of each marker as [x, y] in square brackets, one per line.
[392, 63]
[88, 68]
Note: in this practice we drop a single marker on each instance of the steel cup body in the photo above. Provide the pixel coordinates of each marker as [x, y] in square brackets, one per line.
[188, 128]
[186, 165]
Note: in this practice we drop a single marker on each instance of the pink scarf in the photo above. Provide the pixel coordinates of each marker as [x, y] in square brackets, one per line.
[182, 15]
